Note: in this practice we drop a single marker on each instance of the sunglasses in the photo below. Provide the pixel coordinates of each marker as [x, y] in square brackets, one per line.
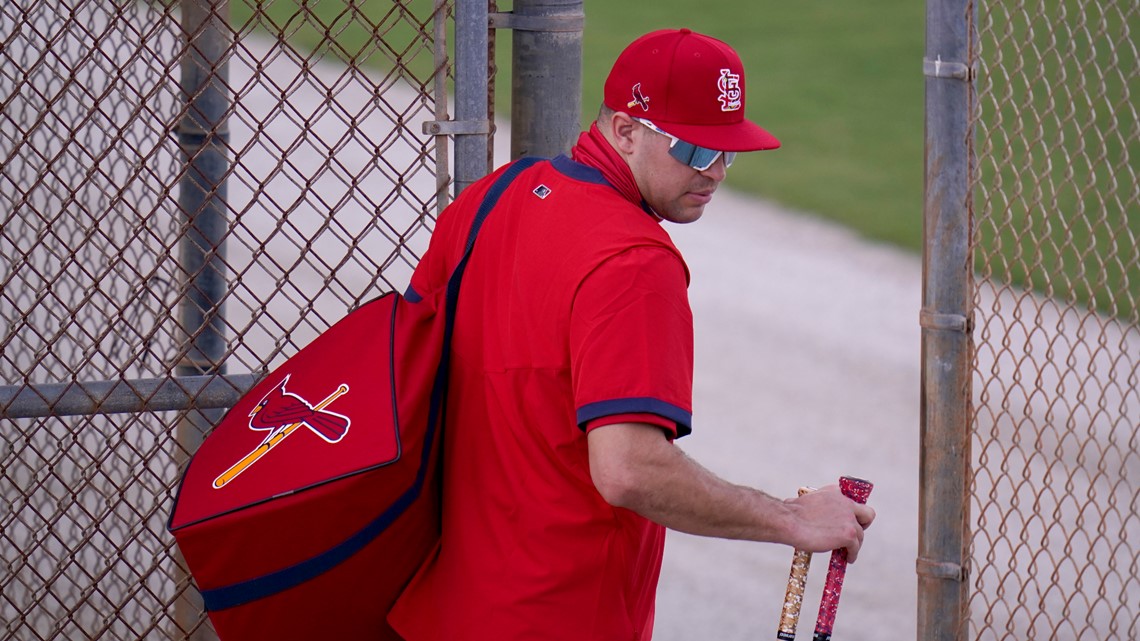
[697, 157]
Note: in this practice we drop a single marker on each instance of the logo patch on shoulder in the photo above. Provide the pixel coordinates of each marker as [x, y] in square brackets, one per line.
[542, 191]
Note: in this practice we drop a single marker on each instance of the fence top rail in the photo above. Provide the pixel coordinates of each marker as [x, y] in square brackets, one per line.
[116, 397]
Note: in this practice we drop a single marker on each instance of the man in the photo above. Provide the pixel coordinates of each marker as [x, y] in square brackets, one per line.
[572, 372]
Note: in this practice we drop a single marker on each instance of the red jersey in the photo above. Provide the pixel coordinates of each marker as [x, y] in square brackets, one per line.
[573, 314]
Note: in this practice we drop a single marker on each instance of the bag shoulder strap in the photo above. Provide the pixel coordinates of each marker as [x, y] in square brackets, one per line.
[437, 405]
[489, 201]
[439, 390]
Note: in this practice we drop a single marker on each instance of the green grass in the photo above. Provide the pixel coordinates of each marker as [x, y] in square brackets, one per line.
[1057, 200]
[841, 84]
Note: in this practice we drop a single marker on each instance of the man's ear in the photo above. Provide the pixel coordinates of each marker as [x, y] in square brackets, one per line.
[621, 130]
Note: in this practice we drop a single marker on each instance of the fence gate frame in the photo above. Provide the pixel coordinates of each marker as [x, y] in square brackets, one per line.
[1027, 488]
[946, 322]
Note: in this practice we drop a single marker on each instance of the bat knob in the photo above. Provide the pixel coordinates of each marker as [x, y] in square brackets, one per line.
[855, 489]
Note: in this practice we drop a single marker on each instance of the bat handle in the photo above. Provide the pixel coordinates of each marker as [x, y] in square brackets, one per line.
[794, 596]
[857, 490]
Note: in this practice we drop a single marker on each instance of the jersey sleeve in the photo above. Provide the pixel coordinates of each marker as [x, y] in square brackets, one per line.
[631, 340]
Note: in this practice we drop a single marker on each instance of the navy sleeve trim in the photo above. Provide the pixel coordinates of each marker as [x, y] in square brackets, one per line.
[649, 405]
[412, 296]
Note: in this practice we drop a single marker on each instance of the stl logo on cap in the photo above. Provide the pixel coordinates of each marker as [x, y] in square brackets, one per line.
[639, 100]
[730, 94]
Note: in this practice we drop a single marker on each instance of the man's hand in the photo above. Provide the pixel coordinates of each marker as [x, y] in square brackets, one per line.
[826, 520]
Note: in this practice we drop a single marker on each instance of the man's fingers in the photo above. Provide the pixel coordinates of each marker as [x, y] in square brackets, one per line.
[853, 550]
[865, 514]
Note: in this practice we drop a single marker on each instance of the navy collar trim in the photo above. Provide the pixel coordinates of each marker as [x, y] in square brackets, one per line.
[584, 173]
[578, 171]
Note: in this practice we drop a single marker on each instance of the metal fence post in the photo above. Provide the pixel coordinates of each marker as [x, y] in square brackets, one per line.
[946, 321]
[546, 76]
[203, 137]
[472, 126]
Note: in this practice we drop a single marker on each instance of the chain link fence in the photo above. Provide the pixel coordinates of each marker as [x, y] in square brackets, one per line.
[190, 191]
[1054, 493]
[177, 178]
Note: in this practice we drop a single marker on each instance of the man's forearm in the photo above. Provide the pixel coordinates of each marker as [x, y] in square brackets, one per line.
[634, 466]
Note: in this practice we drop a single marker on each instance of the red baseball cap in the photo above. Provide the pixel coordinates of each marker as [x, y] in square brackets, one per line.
[689, 85]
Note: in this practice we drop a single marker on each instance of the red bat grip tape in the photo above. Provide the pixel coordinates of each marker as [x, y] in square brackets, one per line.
[857, 490]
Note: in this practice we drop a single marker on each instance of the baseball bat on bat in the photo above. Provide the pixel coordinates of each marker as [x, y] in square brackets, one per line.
[857, 490]
[794, 596]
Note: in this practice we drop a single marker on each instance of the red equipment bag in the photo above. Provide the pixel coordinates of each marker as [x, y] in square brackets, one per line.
[311, 504]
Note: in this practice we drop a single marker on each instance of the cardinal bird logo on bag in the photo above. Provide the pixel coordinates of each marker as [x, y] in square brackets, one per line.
[281, 413]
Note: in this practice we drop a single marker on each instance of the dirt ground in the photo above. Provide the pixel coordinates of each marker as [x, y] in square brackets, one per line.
[807, 370]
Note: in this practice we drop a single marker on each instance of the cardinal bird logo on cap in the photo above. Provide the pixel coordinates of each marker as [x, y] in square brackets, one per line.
[280, 414]
[639, 99]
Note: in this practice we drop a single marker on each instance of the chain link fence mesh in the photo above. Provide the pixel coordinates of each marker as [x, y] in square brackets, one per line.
[1055, 489]
[330, 193]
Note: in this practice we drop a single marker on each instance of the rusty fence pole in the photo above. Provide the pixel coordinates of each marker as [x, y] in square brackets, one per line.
[947, 322]
[202, 199]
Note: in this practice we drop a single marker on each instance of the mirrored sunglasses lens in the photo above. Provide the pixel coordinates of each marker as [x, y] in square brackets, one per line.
[696, 157]
[703, 158]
